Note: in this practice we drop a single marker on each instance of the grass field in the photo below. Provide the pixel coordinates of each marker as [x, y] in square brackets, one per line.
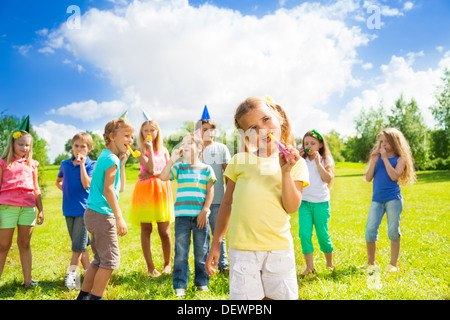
[424, 257]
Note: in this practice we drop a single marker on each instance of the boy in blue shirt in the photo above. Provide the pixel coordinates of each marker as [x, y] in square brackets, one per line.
[74, 179]
[103, 215]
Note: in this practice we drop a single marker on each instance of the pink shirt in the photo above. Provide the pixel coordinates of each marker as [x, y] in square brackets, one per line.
[159, 159]
[17, 186]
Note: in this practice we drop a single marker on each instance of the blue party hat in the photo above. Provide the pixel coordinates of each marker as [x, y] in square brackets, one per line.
[146, 116]
[205, 115]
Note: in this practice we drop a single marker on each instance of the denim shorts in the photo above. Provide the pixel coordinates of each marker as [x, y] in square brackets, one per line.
[393, 209]
[78, 233]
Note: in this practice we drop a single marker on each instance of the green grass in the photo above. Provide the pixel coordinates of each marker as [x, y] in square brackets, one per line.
[424, 257]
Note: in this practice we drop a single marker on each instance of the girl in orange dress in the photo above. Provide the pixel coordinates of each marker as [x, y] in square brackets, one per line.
[152, 199]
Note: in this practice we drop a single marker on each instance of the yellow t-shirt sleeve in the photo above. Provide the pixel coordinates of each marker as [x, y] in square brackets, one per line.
[300, 172]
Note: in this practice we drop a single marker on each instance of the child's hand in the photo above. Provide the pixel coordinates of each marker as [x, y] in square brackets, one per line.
[144, 175]
[202, 219]
[316, 156]
[176, 154]
[212, 260]
[82, 159]
[289, 160]
[122, 228]
[123, 157]
[301, 151]
[383, 153]
[374, 155]
[40, 218]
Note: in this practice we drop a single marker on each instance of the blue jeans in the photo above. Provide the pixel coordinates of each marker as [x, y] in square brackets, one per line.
[393, 209]
[223, 259]
[180, 275]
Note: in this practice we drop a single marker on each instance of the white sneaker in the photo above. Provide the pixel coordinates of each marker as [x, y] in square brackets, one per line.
[70, 280]
[180, 293]
[203, 288]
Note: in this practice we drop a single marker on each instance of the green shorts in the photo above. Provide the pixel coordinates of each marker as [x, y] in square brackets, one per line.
[11, 216]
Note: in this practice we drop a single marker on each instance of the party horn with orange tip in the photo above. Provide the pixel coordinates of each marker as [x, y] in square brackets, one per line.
[78, 158]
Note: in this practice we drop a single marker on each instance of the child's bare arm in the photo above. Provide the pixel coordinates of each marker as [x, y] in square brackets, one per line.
[110, 195]
[203, 216]
[59, 182]
[37, 194]
[223, 220]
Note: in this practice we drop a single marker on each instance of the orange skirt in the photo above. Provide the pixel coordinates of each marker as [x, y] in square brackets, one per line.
[152, 202]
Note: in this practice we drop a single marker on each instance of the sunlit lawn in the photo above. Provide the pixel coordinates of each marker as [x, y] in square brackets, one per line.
[424, 258]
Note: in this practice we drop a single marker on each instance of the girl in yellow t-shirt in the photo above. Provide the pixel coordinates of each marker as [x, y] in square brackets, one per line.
[264, 186]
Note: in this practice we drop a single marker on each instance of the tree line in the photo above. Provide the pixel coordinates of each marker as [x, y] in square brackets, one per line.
[429, 146]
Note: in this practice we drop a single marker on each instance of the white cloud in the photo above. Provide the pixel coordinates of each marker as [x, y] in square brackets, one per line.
[90, 110]
[23, 50]
[56, 135]
[171, 58]
[398, 77]
[408, 5]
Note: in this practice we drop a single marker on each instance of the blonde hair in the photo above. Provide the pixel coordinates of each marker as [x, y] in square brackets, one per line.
[84, 137]
[159, 139]
[401, 148]
[114, 125]
[256, 102]
[8, 153]
[194, 138]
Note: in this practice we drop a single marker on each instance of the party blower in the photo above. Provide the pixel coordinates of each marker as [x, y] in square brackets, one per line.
[133, 153]
[279, 144]
[78, 158]
[307, 149]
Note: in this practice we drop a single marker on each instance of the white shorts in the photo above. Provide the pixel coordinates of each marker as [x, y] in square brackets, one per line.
[258, 274]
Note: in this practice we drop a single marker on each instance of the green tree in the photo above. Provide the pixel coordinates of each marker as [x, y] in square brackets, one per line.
[440, 137]
[174, 139]
[368, 125]
[336, 144]
[408, 119]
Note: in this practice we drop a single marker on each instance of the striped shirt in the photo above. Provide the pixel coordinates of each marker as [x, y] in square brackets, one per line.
[191, 187]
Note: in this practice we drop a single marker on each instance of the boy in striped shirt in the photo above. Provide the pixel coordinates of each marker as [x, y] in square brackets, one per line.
[195, 192]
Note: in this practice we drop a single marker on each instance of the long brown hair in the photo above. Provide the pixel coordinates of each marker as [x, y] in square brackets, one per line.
[401, 148]
[324, 151]
[256, 102]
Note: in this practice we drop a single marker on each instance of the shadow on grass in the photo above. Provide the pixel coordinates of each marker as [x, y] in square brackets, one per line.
[47, 287]
[433, 176]
[338, 275]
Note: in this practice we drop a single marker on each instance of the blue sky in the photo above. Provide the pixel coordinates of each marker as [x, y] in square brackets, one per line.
[320, 60]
